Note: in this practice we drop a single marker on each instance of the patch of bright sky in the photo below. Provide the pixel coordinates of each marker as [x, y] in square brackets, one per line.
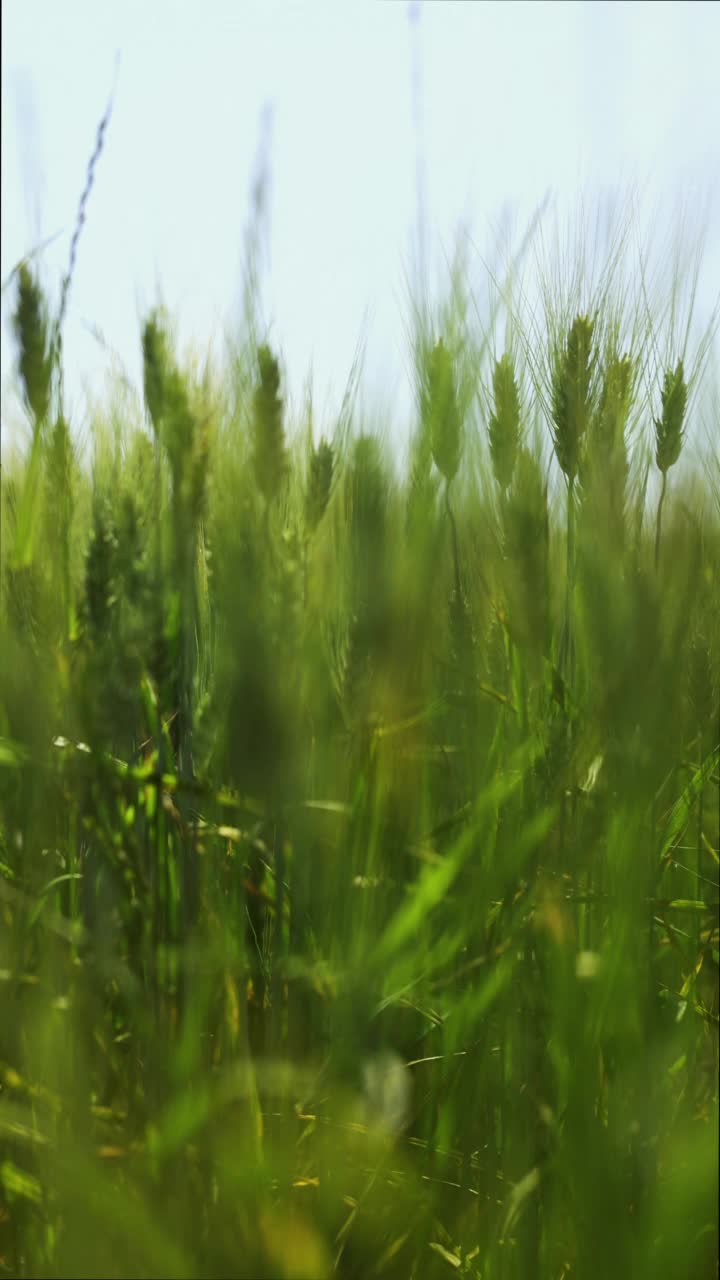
[515, 99]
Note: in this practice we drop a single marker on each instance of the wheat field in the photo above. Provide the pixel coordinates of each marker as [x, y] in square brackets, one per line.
[359, 812]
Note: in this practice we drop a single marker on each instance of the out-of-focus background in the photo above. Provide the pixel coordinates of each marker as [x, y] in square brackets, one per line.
[380, 130]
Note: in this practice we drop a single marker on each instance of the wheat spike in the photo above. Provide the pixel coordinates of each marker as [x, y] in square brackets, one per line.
[155, 364]
[669, 431]
[30, 323]
[669, 427]
[322, 461]
[100, 571]
[614, 407]
[526, 537]
[269, 456]
[443, 412]
[572, 393]
[367, 498]
[504, 425]
[604, 467]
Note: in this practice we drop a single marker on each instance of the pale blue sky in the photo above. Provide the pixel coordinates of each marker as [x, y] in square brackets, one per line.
[516, 98]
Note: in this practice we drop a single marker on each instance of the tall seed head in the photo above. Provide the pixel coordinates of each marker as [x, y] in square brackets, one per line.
[179, 429]
[319, 484]
[604, 468]
[613, 412]
[30, 323]
[199, 467]
[527, 530]
[669, 426]
[443, 411]
[504, 425]
[269, 456]
[572, 394]
[172, 416]
[100, 567]
[615, 401]
[129, 551]
[60, 464]
[367, 496]
[422, 490]
[155, 368]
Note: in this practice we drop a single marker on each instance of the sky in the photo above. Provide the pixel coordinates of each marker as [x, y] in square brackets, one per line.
[482, 108]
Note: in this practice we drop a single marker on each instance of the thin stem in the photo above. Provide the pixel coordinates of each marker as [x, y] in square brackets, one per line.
[658, 526]
[567, 653]
[570, 546]
[453, 529]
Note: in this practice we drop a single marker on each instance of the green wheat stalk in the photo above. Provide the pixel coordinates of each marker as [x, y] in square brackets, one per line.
[573, 373]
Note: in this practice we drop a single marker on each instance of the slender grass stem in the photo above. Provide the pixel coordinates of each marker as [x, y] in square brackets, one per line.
[658, 523]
